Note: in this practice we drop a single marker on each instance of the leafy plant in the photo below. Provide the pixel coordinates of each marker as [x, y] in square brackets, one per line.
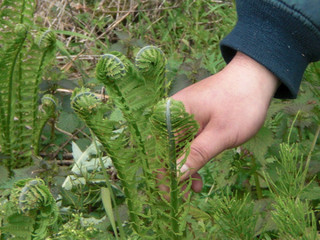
[267, 188]
[235, 217]
[152, 137]
[294, 219]
[79, 228]
[24, 54]
[27, 210]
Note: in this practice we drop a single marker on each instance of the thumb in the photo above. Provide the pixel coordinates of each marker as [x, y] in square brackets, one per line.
[204, 147]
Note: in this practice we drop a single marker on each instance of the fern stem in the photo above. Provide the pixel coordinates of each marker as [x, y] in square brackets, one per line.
[19, 95]
[174, 191]
[138, 136]
[37, 134]
[312, 146]
[11, 93]
[127, 190]
[22, 11]
[35, 94]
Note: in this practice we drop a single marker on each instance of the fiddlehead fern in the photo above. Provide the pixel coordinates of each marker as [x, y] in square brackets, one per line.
[47, 110]
[9, 67]
[151, 63]
[46, 39]
[92, 111]
[153, 137]
[126, 87]
[174, 129]
[22, 61]
[123, 84]
[30, 211]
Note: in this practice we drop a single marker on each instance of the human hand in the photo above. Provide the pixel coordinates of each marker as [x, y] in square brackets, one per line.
[230, 107]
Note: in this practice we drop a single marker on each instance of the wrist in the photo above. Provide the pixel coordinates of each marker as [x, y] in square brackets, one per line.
[250, 76]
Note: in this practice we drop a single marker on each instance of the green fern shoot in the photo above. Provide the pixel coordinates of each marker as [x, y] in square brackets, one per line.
[147, 144]
[24, 55]
[29, 210]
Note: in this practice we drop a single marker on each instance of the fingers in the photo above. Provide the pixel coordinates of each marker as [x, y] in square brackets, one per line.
[197, 183]
[206, 145]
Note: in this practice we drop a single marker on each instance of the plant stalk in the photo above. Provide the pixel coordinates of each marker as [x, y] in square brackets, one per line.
[312, 146]
[11, 94]
[256, 178]
[174, 190]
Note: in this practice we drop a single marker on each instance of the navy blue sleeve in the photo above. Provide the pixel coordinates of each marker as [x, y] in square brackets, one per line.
[284, 36]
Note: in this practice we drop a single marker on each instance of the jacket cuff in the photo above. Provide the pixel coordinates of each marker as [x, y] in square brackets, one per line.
[274, 37]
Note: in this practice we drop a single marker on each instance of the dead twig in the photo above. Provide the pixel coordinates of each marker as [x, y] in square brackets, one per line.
[113, 25]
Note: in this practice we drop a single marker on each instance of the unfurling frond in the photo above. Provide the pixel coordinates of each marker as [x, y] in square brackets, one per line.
[174, 129]
[45, 39]
[30, 211]
[21, 30]
[173, 125]
[92, 111]
[151, 63]
[133, 87]
[152, 137]
[22, 61]
[110, 68]
[123, 83]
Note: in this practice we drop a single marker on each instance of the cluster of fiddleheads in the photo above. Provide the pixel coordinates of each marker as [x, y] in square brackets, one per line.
[23, 57]
[29, 211]
[153, 136]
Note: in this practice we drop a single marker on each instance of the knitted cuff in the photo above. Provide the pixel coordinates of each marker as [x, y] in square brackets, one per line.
[277, 37]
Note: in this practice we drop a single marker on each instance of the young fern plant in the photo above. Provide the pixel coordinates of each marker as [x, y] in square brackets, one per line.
[92, 111]
[24, 54]
[154, 135]
[28, 212]
[174, 129]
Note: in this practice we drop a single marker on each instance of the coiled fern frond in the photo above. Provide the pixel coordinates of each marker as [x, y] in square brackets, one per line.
[151, 63]
[174, 130]
[123, 83]
[173, 126]
[134, 89]
[153, 136]
[93, 112]
[45, 39]
[30, 211]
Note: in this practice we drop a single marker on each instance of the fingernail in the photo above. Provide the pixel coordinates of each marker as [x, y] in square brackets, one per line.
[184, 169]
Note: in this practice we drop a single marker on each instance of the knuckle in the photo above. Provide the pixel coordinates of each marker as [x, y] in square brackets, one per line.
[199, 154]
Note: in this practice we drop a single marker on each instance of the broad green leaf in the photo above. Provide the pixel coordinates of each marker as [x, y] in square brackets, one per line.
[68, 122]
[259, 144]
